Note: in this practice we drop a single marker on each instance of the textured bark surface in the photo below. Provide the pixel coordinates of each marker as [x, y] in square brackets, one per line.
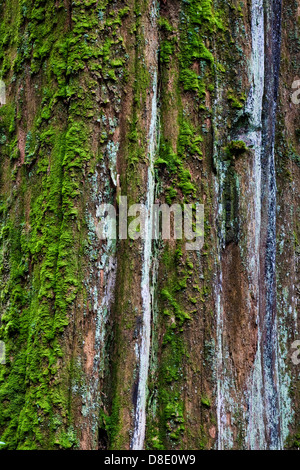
[131, 344]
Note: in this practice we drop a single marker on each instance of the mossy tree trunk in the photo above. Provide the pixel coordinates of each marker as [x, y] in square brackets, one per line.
[95, 89]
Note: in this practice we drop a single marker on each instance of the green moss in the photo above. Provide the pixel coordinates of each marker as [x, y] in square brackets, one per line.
[198, 19]
[180, 314]
[191, 81]
[188, 144]
[171, 193]
[166, 51]
[293, 441]
[205, 402]
[164, 24]
[236, 102]
[236, 148]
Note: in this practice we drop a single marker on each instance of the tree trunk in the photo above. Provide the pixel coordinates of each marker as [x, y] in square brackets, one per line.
[135, 342]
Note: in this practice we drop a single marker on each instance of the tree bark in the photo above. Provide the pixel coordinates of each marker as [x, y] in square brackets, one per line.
[141, 343]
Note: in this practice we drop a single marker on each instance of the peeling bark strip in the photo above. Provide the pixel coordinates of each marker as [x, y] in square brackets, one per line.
[144, 344]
